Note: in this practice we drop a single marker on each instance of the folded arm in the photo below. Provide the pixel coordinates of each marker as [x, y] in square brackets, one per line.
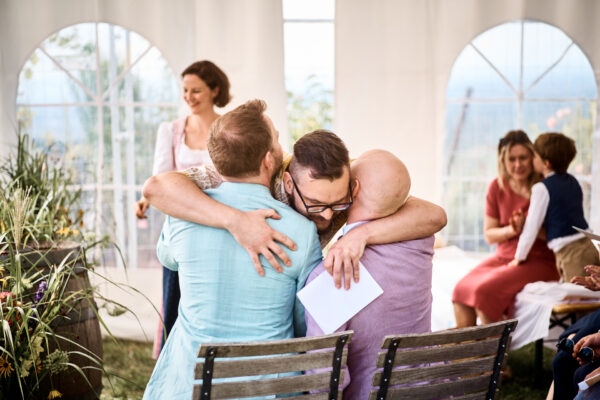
[174, 194]
[416, 219]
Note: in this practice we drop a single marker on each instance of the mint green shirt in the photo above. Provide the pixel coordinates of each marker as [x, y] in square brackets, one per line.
[223, 299]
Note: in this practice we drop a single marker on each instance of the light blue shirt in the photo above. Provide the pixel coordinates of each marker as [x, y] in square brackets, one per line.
[223, 299]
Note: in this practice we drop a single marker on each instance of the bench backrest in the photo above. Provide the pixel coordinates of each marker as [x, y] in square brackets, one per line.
[253, 360]
[464, 363]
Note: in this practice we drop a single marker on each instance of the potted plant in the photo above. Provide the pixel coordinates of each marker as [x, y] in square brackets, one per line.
[50, 343]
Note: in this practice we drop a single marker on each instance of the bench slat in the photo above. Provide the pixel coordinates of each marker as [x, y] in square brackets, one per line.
[431, 373]
[439, 390]
[265, 387]
[296, 345]
[270, 365]
[442, 353]
[449, 336]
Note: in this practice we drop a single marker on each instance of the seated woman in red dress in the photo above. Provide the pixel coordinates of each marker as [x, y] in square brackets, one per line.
[488, 291]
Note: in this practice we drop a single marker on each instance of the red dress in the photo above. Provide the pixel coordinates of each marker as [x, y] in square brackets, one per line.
[492, 286]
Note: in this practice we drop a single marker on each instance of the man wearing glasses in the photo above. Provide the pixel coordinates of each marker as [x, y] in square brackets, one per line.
[316, 183]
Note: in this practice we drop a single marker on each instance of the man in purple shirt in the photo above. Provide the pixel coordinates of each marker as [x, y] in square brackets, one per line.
[402, 269]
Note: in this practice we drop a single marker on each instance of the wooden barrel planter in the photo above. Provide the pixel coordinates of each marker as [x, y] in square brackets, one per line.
[79, 324]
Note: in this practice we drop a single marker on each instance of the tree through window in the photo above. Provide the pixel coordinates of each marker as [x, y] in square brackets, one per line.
[519, 75]
[97, 92]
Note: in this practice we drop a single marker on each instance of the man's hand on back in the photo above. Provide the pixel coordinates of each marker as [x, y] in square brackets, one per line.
[342, 258]
[254, 234]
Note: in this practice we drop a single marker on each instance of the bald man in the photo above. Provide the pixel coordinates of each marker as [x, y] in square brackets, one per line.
[402, 269]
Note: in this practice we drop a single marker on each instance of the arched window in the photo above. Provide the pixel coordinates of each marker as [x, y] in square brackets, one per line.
[98, 92]
[519, 75]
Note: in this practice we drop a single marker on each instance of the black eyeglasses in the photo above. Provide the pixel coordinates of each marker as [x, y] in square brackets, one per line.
[319, 208]
[586, 354]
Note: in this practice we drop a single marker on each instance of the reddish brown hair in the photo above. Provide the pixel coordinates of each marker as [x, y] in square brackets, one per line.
[239, 140]
[557, 148]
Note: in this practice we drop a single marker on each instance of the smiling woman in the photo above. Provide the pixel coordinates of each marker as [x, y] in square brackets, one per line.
[182, 144]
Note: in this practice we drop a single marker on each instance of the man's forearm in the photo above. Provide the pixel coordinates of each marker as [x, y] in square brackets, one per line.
[415, 220]
[174, 194]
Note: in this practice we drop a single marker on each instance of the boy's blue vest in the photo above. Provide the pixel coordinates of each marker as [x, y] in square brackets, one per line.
[565, 208]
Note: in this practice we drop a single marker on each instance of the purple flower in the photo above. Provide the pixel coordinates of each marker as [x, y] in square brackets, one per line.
[40, 292]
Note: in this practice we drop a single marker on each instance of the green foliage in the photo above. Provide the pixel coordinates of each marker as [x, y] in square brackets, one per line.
[309, 110]
[37, 198]
[33, 302]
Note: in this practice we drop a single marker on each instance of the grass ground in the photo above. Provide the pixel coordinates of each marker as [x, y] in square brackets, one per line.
[129, 366]
[522, 385]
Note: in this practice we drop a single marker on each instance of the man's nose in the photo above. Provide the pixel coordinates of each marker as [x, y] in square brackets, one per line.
[327, 214]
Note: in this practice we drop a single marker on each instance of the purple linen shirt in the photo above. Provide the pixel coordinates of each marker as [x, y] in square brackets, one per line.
[403, 270]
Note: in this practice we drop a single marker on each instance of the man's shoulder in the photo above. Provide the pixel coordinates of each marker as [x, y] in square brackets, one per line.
[422, 246]
[292, 221]
[177, 225]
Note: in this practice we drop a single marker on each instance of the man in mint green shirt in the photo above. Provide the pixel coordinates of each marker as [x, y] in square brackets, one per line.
[222, 298]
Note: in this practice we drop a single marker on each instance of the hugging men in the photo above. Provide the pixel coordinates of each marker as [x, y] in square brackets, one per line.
[315, 183]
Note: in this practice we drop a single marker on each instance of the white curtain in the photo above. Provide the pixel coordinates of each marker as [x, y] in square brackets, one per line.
[393, 61]
[245, 38]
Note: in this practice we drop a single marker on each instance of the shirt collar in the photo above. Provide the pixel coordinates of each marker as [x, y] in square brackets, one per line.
[239, 187]
[348, 227]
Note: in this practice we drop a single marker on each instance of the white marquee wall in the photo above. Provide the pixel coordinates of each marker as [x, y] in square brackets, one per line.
[393, 61]
[393, 58]
[245, 38]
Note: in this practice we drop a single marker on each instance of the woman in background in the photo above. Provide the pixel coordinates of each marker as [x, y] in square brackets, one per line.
[182, 144]
[488, 291]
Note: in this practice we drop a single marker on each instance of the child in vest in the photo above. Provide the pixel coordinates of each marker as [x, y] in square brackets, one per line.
[557, 205]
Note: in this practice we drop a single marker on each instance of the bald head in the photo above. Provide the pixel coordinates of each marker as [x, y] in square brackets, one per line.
[384, 184]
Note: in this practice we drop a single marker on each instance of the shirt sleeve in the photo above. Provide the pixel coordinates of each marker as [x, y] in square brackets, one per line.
[491, 200]
[163, 151]
[205, 176]
[163, 248]
[313, 258]
[538, 206]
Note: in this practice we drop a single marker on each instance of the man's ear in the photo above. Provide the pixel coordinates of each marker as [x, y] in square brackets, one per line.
[355, 187]
[288, 185]
[548, 165]
[268, 161]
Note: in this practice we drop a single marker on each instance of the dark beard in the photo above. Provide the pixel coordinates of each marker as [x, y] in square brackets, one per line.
[316, 219]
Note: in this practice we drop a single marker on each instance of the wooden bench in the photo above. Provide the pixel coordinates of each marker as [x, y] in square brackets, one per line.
[467, 363]
[563, 315]
[251, 360]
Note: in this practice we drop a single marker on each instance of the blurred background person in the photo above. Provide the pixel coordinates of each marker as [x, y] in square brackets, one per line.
[181, 144]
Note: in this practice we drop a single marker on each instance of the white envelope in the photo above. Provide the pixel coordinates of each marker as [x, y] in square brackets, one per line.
[331, 307]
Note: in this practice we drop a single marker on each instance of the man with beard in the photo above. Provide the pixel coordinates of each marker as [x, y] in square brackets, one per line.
[222, 299]
[315, 181]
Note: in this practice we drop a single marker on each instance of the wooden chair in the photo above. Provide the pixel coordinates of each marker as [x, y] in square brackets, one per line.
[229, 360]
[463, 363]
